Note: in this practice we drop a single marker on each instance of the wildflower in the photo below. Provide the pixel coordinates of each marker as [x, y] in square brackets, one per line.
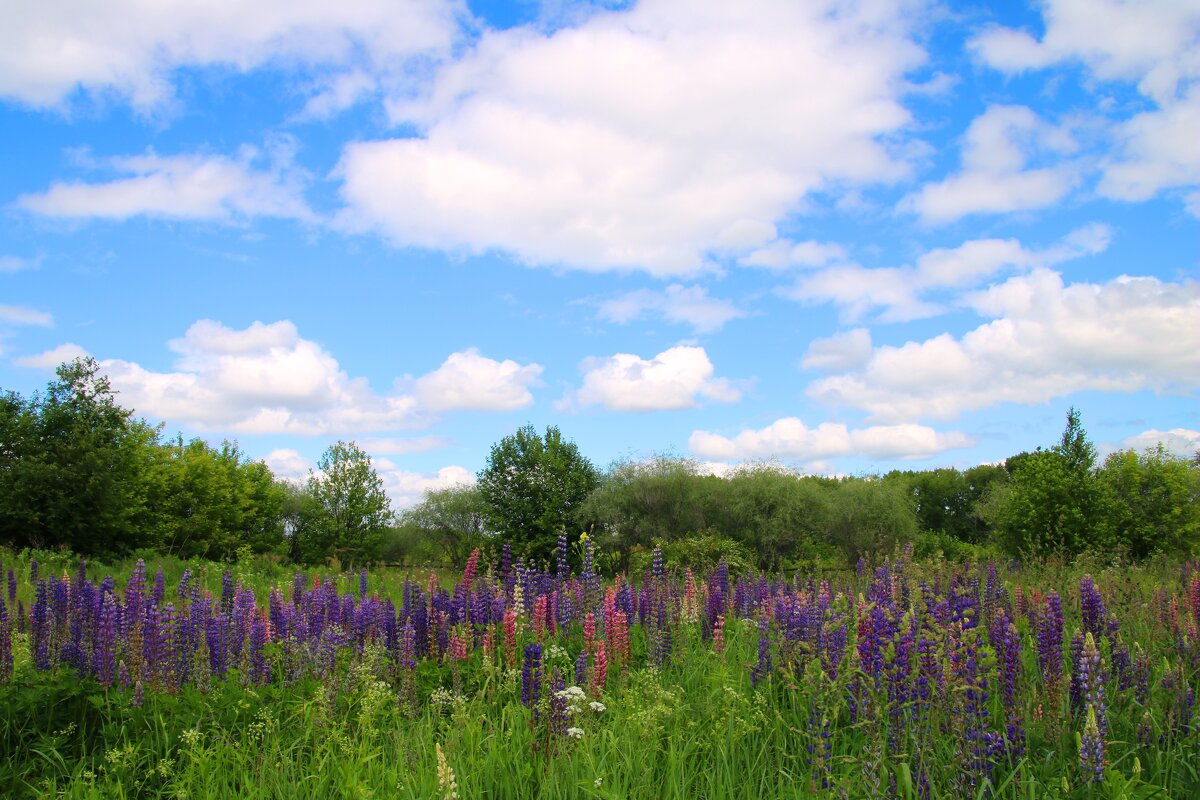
[1091, 747]
[575, 733]
[597, 706]
[139, 695]
[445, 775]
[531, 675]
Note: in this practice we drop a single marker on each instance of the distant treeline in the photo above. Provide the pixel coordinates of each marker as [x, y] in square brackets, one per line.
[77, 471]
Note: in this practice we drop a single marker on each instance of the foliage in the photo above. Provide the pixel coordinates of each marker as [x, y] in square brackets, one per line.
[452, 519]
[1053, 501]
[210, 502]
[345, 510]
[1155, 501]
[701, 553]
[534, 486]
[870, 517]
[947, 499]
[75, 467]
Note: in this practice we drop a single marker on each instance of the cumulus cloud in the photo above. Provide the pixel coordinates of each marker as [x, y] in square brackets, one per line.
[643, 138]
[193, 187]
[266, 378]
[996, 177]
[790, 439]
[683, 305]
[408, 488]
[674, 379]
[288, 464]
[901, 293]
[52, 49]
[1045, 340]
[52, 358]
[1152, 44]
[1180, 442]
[469, 381]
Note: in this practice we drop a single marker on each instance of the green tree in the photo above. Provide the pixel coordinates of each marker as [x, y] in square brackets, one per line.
[1155, 501]
[870, 516]
[345, 511]
[534, 486]
[1053, 501]
[75, 467]
[452, 519]
[211, 502]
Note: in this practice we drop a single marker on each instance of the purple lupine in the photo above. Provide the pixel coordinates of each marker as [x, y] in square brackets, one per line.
[227, 589]
[33, 571]
[6, 652]
[1050, 643]
[139, 695]
[362, 584]
[657, 567]
[581, 665]
[12, 586]
[531, 675]
[1091, 605]
[1091, 680]
[1007, 642]
[135, 590]
[184, 588]
[160, 587]
[762, 668]
[1091, 748]
[260, 671]
[104, 653]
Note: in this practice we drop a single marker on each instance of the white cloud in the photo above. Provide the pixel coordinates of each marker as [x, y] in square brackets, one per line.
[840, 352]
[902, 292]
[50, 359]
[1045, 340]
[790, 439]
[196, 187]
[1153, 44]
[995, 177]
[685, 305]
[408, 488]
[288, 464]
[267, 379]
[1157, 150]
[23, 315]
[645, 138]
[471, 381]
[674, 379]
[130, 49]
[1177, 441]
[782, 253]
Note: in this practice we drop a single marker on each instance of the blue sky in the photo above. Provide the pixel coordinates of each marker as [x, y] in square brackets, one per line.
[842, 237]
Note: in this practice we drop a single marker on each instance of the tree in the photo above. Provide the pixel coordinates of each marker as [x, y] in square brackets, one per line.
[75, 467]
[1053, 501]
[453, 519]
[211, 502]
[1155, 501]
[345, 512]
[533, 486]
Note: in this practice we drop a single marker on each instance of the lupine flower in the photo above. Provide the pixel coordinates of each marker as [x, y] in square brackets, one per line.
[445, 775]
[6, 652]
[531, 675]
[1091, 748]
[657, 568]
[762, 668]
[139, 695]
[719, 635]
[600, 669]
[564, 571]
[1091, 605]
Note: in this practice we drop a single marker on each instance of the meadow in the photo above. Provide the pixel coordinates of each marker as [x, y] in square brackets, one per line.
[905, 679]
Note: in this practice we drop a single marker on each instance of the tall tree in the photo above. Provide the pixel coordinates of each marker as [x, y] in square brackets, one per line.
[75, 467]
[533, 486]
[346, 511]
[454, 519]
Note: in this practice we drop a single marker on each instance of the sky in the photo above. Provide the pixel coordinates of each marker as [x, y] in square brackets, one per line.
[841, 237]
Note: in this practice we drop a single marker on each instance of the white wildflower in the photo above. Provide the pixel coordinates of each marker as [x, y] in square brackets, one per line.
[597, 706]
[575, 733]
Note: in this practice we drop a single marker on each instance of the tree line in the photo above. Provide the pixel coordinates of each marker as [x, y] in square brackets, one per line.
[79, 471]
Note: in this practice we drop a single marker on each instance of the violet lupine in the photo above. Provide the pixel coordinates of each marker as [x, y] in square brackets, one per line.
[1050, 645]
[581, 665]
[6, 652]
[1007, 642]
[1091, 748]
[160, 586]
[564, 571]
[657, 567]
[531, 676]
[104, 652]
[762, 668]
[1091, 680]
[12, 586]
[1091, 605]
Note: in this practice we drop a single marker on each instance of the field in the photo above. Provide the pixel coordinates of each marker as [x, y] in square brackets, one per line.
[905, 679]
